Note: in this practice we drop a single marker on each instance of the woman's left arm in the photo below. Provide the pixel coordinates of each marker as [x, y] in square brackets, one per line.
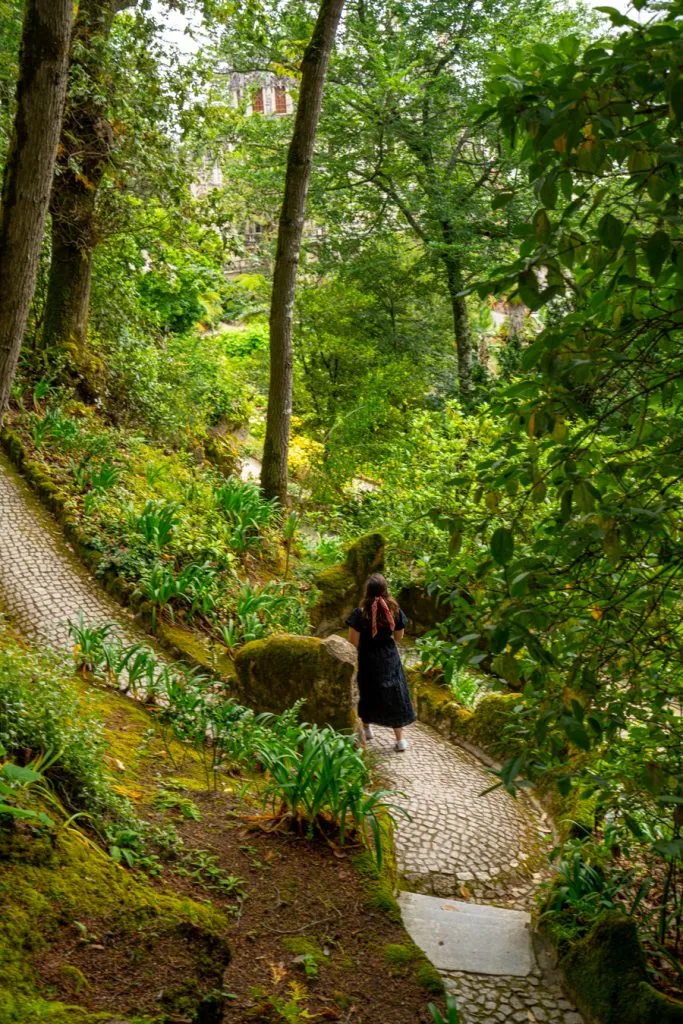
[398, 634]
[354, 636]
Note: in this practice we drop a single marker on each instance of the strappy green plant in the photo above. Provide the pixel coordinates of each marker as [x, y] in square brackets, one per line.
[15, 781]
[156, 522]
[452, 1015]
[89, 644]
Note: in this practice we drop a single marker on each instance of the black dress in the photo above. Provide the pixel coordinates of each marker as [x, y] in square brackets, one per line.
[384, 696]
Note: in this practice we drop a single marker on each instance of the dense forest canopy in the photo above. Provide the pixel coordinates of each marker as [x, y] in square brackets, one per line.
[482, 355]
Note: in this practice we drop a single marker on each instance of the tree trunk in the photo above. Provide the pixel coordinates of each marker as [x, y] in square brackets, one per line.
[461, 320]
[86, 147]
[41, 89]
[299, 163]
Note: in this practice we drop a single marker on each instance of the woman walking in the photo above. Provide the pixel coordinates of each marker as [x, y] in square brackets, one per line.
[374, 629]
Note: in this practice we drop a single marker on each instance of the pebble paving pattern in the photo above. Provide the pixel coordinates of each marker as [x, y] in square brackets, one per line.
[485, 848]
[455, 836]
[42, 584]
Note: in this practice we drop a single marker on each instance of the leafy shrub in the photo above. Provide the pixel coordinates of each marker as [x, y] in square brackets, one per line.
[443, 657]
[40, 711]
[581, 892]
[15, 780]
[323, 779]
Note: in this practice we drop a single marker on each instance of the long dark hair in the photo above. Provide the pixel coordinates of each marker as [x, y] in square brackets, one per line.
[377, 586]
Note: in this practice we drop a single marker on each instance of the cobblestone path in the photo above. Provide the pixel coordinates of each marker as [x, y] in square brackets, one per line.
[456, 837]
[42, 584]
[489, 849]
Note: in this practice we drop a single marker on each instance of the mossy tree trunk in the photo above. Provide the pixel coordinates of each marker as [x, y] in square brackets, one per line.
[29, 170]
[85, 154]
[299, 162]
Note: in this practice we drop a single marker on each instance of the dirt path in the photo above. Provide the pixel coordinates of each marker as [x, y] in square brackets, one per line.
[455, 837]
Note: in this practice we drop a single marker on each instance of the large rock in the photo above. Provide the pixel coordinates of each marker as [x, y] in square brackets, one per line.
[605, 972]
[275, 672]
[423, 609]
[342, 587]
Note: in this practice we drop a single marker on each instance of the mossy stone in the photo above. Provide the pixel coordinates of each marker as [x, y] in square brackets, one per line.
[424, 610]
[276, 672]
[607, 976]
[342, 586]
[484, 727]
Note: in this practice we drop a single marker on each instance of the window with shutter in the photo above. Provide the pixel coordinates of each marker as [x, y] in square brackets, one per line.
[280, 100]
[257, 102]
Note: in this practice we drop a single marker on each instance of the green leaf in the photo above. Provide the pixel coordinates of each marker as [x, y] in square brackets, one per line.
[564, 785]
[529, 290]
[610, 231]
[499, 639]
[570, 45]
[15, 773]
[16, 812]
[616, 17]
[542, 226]
[575, 732]
[657, 188]
[670, 847]
[676, 99]
[632, 825]
[657, 251]
[545, 52]
[502, 545]
[548, 191]
[501, 200]
[584, 497]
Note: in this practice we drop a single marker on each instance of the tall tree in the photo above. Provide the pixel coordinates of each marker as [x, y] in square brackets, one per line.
[402, 121]
[29, 170]
[85, 151]
[299, 162]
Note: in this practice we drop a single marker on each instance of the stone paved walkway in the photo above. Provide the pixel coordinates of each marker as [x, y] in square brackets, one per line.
[42, 583]
[456, 838]
[488, 849]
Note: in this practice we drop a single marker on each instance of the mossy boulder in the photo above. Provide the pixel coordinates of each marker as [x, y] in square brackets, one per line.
[606, 974]
[422, 608]
[342, 587]
[275, 672]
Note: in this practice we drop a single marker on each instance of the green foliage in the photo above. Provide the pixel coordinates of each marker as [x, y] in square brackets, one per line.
[323, 777]
[14, 779]
[246, 511]
[41, 711]
[452, 1015]
[580, 893]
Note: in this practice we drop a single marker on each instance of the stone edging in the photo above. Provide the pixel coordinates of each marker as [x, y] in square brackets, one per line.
[432, 703]
[53, 498]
